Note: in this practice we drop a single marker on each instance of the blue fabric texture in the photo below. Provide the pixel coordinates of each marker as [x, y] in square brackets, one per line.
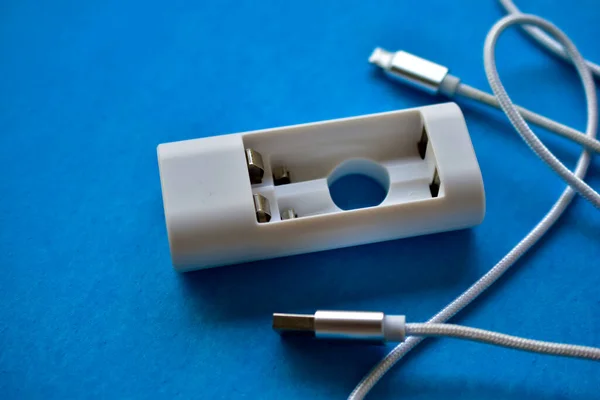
[89, 305]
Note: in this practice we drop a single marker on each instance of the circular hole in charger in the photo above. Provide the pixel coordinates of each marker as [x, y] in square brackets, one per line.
[358, 183]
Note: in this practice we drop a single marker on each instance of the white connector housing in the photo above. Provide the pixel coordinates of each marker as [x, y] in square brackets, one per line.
[422, 156]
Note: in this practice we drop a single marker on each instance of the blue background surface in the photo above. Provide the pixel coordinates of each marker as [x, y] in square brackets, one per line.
[89, 304]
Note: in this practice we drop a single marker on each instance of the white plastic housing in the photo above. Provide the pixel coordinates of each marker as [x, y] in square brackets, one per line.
[208, 197]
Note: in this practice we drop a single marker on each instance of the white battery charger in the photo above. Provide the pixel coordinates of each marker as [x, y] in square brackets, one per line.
[264, 194]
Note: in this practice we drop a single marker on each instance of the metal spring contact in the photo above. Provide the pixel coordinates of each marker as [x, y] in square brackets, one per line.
[281, 176]
[434, 186]
[288, 213]
[256, 171]
[256, 168]
[262, 207]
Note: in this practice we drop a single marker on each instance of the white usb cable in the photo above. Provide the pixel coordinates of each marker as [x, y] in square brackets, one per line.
[434, 78]
[376, 326]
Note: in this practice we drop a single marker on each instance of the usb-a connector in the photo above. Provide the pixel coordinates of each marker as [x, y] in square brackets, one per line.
[371, 326]
[300, 324]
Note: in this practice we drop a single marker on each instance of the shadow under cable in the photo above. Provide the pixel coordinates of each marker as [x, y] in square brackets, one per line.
[330, 278]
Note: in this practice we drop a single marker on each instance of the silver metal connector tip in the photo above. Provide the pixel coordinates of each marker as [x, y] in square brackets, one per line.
[303, 324]
[408, 68]
[381, 57]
